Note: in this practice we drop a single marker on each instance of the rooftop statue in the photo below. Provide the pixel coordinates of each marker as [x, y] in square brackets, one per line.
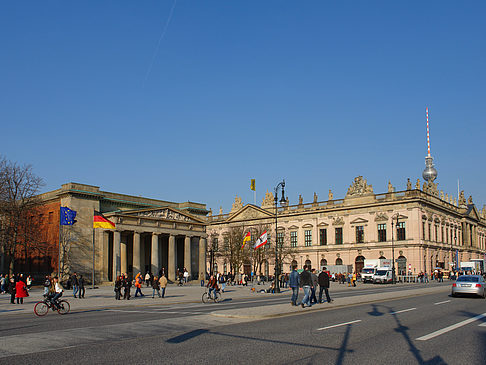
[359, 188]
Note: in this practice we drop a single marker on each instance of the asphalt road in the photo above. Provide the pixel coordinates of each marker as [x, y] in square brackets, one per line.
[397, 332]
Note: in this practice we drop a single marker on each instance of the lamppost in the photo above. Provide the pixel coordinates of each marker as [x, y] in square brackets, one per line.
[393, 250]
[455, 242]
[282, 201]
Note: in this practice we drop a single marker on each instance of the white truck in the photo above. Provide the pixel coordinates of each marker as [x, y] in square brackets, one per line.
[370, 267]
[383, 275]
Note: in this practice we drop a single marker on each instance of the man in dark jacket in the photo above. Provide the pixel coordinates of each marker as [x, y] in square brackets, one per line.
[313, 298]
[81, 287]
[324, 285]
[294, 285]
[306, 284]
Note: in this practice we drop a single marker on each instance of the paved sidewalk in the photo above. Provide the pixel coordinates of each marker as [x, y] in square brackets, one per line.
[103, 297]
[279, 310]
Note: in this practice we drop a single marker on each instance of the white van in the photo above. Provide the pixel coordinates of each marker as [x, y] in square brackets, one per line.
[383, 275]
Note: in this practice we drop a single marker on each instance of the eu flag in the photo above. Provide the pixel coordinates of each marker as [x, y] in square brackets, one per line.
[67, 216]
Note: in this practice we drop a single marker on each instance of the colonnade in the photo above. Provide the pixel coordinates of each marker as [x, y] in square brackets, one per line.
[121, 252]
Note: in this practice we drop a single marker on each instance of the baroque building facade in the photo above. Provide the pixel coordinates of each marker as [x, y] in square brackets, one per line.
[425, 228]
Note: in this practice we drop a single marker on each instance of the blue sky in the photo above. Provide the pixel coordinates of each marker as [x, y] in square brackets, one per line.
[316, 92]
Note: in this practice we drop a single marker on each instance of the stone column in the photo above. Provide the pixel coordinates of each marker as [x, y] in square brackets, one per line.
[171, 259]
[106, 256]
[187, 254]
[202, 258]
[116, 253]
[155, 255]
[136, 253]
[123, 257]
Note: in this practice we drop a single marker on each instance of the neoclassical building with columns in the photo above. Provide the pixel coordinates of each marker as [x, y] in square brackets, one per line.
[425, 227]
[149, 234]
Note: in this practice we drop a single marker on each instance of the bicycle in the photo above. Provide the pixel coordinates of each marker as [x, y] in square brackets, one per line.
[42, 308]
[216, 297]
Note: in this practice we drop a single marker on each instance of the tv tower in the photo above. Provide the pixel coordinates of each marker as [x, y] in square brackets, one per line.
[430, 173]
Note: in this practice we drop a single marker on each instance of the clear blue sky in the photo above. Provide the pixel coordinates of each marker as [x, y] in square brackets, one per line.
[316, 92]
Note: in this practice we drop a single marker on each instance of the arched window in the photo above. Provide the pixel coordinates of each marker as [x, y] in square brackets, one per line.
[339, 261]
[382, 257]
[308, 263]
[402, 265]
[323, 263]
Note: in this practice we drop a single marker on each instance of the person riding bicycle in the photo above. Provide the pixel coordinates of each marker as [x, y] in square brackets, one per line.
[212, 285]
[56, 293]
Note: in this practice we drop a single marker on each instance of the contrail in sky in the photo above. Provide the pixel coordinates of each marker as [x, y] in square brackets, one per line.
[164, 30]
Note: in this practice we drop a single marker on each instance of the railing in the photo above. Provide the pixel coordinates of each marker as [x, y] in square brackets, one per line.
[408, 278]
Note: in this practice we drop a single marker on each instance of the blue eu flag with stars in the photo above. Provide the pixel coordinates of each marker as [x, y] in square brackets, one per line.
[67, 216]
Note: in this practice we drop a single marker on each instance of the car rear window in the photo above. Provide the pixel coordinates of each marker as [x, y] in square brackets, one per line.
[469, 279]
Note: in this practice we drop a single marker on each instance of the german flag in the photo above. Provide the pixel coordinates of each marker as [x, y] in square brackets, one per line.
[101, 222]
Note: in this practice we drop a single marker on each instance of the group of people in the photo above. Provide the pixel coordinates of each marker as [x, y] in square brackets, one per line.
[17, 286]
[309, 281]
[158, 284]
[77, 282]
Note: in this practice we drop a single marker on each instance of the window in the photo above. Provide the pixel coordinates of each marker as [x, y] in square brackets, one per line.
[323, 237]
[382, 232]
[215, 244]
[339, 236]
[339, 261]
[226, 243]
[280, 239]
[436, 233]
[51, 217]
[428, 236]
[423, 230]
[293, 239]
[447, 234]
[359, 234]
[307, 238]
[401, 231]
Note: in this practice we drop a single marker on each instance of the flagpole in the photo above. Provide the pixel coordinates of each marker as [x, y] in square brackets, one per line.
[93, 272]
[59, 247]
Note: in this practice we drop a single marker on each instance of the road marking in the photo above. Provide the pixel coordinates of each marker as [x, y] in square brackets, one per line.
[450, 328]
[445, 301]
[338, 325]
[482, 324]
[403, 310]
[126, 311]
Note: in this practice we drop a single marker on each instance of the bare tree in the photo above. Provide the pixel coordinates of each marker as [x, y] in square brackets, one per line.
[232, 250]
[262, 254]
[19, 188]
[285, 251]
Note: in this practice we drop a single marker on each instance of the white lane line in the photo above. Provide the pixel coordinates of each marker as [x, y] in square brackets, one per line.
[482, 324]
[450, 328]
[445, 301]
[404, 310]
[125, 311]
[338, 325]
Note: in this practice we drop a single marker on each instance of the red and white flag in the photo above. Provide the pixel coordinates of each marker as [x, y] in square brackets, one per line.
[262, 240]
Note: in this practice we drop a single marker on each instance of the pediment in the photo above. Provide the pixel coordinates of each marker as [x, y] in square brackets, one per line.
[169, 214]
[359, 220]
[250, 211]
[293, 227]
[308, 225]
[381, 217]
[473, 212]
[322, 224]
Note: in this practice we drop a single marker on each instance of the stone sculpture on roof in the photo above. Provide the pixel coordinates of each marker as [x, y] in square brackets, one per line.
[237, 205]
[268, 201]
[359, 188]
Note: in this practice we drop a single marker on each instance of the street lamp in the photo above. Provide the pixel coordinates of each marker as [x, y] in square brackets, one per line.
[282, 201]
[393, 251]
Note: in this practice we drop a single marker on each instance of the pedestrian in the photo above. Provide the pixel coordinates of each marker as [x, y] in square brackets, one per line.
[243, 280]
[202, 279]
[294, 281]
[313, 299]
[74, 283]
[118, 287]
[147, 280]
[138, 285]
[306, 284]
[163, 284]
[47, 284]
[81, 287]
[127, 284]
[20, 292]
[155, 287]
[11, 290]
[3, 284]
[324, 285]
[186, 276]
[28, 282]
[222, 281]
[354, 278]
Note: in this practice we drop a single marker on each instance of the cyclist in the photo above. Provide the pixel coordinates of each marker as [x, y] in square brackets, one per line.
[212, 285]
[58, 290]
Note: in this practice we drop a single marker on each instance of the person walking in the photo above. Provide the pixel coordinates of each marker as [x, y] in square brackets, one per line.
[163, 284]
[186, 276]
[74, 282]
[20, 292]
[353, 279]
[324, 285]
[138, 285]
[81, 287]
[306, 284]
[127, 284]
[147, 280]
[47, 285]
[28, 282]
[118, 287]
[313, 299]
[11, 290]
[155, 287]
[294, 281]
[222, 281]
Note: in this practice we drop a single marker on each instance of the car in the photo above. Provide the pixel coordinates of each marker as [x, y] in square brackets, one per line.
[469, 284]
